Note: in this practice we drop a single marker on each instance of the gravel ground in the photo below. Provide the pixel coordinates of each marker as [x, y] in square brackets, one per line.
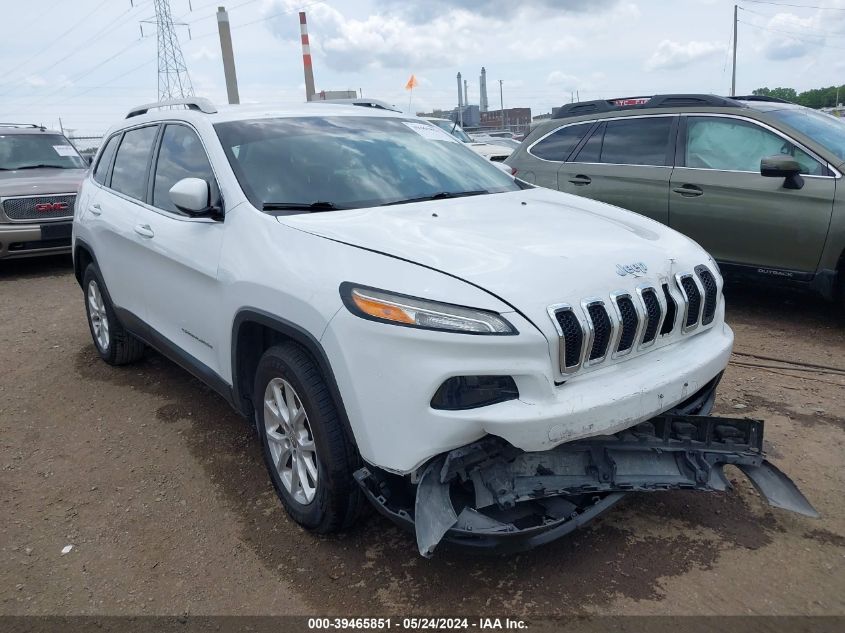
[159, 488]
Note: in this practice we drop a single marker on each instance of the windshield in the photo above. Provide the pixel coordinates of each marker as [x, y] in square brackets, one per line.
[823, 128]
[30, 151]
[331, 163]
[452, 128]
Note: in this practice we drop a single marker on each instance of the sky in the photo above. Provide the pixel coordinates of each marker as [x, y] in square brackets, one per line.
[86, 61]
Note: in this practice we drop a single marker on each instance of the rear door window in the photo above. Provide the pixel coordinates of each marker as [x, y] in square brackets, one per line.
[558, 145]
[637, 141]
[733, 145]
[102, 168]
[131, 165]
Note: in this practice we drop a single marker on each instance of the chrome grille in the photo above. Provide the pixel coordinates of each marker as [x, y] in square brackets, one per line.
[711, 290]
[671, 312]
[626, 321]
[29, 208]
[602, 330]
[573, 337]
[630, 323]
[692, 297]
[652, 314]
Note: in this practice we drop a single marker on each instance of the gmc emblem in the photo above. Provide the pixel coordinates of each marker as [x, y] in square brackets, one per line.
[51, 206]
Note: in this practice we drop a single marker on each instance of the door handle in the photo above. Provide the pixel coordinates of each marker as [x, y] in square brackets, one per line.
[95, 208]
[580, 180]
[689, 191]
[144, 230]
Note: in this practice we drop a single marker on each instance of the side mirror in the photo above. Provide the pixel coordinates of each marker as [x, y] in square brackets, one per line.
[505, 168]
[780, 166]
[191, 196]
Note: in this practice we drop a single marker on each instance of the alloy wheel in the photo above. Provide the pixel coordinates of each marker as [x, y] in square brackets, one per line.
[290, 440]
[97, 315]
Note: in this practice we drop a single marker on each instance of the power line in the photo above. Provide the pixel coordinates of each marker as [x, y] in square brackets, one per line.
[795, 36]
[109, 27]
[265, 18]
[796, 6]
[54, 40]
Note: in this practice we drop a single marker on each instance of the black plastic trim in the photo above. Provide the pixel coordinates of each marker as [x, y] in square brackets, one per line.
[140, 329]
[346, 296]
[243, 401]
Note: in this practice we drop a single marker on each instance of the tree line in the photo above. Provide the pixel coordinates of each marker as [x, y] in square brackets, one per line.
[816, 98]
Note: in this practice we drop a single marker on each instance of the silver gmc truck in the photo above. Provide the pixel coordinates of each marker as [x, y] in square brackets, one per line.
[40, 172]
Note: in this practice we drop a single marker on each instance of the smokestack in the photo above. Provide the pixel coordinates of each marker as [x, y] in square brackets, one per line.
[482, 99]
[306, 58]
[466, 92]
[228, 55]
[460, 101]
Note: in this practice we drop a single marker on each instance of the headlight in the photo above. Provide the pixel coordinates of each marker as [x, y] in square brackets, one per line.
[387, 307]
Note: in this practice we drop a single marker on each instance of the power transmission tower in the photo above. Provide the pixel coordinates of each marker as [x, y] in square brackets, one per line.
[173, 79]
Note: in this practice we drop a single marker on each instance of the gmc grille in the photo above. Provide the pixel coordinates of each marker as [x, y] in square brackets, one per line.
[27, 209]
[632, 321]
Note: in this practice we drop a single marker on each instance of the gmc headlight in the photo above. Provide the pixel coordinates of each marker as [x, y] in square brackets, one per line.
[388, 307]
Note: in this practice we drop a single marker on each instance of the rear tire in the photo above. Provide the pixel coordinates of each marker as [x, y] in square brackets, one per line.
[114, 344]
[307, 453]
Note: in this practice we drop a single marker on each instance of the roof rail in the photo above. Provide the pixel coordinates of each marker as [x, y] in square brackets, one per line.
[200, 104]
[37, 127]
[763, 98]
[632, 103]
[364, 103]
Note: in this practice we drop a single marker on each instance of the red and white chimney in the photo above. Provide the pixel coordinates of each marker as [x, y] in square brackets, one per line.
[306, 58]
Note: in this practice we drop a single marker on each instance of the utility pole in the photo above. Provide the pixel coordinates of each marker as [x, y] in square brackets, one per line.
[173, 79]
[502, 103]
[733, 76]
[228, 55]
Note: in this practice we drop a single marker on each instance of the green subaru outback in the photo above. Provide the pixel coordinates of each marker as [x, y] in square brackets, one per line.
[756, 181]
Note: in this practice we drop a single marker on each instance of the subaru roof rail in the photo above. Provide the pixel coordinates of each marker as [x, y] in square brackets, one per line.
[364, 103]
[632, 103]
[200, 104]
[763, 98]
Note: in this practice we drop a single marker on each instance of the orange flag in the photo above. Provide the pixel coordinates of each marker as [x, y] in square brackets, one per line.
[412, 83]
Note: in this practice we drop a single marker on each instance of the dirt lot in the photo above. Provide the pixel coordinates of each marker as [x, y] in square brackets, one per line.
[160, 488]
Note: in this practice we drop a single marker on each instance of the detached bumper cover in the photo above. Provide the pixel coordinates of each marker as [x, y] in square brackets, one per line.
[491, 494]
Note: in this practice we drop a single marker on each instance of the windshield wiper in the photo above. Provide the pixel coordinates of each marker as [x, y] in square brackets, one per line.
[313, 207]
[40, 166]
[442, 195]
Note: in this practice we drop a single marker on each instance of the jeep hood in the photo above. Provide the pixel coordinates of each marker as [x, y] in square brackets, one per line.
[33, 182]
[531, 248]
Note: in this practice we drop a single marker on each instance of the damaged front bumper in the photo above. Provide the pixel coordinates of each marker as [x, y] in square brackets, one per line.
[491, 494]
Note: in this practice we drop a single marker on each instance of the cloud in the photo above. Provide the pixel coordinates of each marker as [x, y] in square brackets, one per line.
[204, 53]
[672, 55]
[788, 36]
[500, 9]
[436, 34]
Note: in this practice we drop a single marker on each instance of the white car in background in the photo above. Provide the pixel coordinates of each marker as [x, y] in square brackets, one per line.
[495, 153]
[486, 362]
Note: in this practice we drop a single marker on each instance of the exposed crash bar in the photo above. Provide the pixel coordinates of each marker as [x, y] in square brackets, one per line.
[489, 492]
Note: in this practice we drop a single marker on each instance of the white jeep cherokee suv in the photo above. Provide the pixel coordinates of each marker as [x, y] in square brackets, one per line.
[488, 363]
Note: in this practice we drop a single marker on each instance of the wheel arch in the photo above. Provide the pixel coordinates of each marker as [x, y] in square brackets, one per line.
[83, 255]
[253, 332]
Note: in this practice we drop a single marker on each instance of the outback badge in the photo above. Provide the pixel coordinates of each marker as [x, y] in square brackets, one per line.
[637, 269]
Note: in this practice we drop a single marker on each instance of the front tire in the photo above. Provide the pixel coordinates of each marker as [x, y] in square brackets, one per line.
[114, 344]
[308, 456]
